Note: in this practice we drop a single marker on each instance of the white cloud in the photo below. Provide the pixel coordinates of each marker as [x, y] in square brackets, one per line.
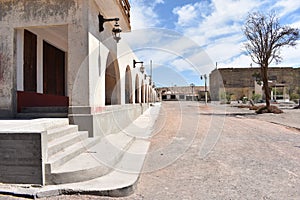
[286, 6]
[220, 31]
[143, 14]
[186, 14]
[215, 25]
[158, 2]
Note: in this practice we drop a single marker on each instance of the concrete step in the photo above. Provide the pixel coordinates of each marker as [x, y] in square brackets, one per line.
[121, 181]
[94, 162]
[70, 152]
[63, 142]
[61, 131]
[40, 115]
[54, 109]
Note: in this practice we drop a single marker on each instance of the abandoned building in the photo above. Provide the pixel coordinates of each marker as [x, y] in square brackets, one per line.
[182, 93]
[64, 58]
[246, 82]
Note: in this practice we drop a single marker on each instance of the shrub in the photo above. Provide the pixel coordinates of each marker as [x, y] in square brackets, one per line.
[271, 109]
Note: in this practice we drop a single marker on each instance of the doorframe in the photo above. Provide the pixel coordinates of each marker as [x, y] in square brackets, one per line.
[20, 57]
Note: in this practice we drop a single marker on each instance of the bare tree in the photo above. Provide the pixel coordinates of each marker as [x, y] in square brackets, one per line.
[265, 38]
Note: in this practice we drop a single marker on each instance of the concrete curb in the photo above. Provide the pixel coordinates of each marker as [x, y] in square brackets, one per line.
[118, 183]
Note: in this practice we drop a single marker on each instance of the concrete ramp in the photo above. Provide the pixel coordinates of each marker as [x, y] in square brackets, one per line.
[108, 166]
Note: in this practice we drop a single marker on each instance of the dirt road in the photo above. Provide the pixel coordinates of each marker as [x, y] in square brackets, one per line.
[199, 152]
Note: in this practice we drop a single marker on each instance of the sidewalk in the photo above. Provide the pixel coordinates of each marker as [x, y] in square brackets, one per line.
[289, 117]
[120, 182]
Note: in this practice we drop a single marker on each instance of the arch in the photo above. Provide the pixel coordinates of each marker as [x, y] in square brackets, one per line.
[112, 81]
[137, 91]
[149, 94]
[128, 86]
[143, 92]
[146, 93]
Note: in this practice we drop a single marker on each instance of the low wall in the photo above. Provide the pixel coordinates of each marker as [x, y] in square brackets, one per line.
[21, 159]
[110, 120]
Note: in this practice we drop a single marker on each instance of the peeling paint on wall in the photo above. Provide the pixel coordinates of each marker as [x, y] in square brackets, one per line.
[46, 9]
[5, 8]
[37, 9]
[4, 61]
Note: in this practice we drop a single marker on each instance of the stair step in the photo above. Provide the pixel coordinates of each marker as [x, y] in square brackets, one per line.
[94, 162]
[81, 168]
[63, 142]
[61, 131]
[54, 109]
[69, 153]
[40, 115]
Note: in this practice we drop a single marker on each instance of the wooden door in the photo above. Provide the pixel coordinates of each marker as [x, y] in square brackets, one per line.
[53, 70]
[30, 61]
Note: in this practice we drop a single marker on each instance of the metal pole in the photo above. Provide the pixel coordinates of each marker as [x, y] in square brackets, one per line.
[151, 70]
[151, 78]
[205, 89]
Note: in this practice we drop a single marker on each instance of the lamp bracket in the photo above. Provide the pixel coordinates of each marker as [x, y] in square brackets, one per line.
[102, 20]
[136, 62]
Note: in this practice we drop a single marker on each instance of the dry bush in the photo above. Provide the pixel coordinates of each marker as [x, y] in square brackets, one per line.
[271, 109]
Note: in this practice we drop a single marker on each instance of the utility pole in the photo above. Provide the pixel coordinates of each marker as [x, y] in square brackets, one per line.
[205, 86]
[192, 85]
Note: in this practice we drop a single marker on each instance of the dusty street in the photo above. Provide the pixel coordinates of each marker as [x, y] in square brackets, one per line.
[198, 152]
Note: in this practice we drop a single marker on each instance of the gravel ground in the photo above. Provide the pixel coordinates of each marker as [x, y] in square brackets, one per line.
[199, 152]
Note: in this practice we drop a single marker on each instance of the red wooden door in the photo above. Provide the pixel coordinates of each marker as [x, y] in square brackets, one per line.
[30, 61]
[53, 70]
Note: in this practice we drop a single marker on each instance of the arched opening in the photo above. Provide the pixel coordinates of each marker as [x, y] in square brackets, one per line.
[128, 86]
[112, 82]
[137, 90]
[143, 92]
[146, 93]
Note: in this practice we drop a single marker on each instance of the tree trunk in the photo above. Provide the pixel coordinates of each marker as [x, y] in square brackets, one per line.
[264, 73]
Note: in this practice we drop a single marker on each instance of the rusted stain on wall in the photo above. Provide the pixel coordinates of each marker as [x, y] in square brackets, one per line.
[5, 8]
[4, 61]
[37, 9]
[47, 8]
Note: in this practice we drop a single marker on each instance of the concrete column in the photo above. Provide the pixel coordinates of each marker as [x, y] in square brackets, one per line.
[7, 72]
[39, 79]
[19, 57]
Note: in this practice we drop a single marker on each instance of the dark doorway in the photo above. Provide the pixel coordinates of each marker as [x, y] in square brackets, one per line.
[30, 61]
[128, 86]
[137, 90]
[112, 82]
[54, 70]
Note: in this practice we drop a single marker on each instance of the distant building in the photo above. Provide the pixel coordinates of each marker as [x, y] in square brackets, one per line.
[182, 93]
[242, 82]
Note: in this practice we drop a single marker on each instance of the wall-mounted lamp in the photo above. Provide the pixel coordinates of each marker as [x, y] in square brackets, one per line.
[115, 31]
[142, 68]
[153, 84]
[150, 81]
[136, 62]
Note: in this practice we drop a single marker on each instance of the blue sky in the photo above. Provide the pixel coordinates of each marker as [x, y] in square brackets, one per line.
[185, 38]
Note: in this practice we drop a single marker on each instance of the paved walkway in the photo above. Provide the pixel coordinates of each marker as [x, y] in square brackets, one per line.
[216, 152]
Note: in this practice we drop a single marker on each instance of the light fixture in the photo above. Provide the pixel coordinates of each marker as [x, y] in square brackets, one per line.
[150, 79]
[136, 62]
[142, 69]
[115, 31]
